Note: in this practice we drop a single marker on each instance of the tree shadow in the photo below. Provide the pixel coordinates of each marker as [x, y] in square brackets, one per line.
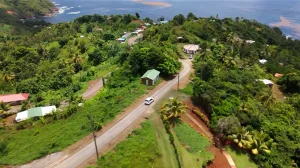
[169, 78]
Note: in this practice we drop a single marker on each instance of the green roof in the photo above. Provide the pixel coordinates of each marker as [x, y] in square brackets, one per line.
[35, 112]
[151, 74]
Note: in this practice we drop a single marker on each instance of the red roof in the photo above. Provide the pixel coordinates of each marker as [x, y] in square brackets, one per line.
[7, 98]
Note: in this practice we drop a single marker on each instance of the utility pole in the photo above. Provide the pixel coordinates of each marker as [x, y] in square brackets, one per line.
[178, 83]
[92, 125]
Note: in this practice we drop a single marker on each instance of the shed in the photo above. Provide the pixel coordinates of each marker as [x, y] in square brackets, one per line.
[263, 61]
[34, 112]
[250, 41]
[14, 99]
[191, 48]
[150, 77]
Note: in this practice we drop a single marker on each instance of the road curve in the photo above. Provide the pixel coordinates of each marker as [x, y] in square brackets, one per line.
[88, 151]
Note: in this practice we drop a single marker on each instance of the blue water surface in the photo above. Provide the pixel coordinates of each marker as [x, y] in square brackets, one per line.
[265, 11]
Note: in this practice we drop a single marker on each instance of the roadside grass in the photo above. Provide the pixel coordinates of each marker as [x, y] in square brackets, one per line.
[240, 158]
[42, 139]
[163, 139]
[179, 49]
[188, 89]
[191, 146]
[172, 93]
[139, 150]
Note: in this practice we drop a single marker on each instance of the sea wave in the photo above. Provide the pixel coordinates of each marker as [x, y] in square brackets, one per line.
[73, 13]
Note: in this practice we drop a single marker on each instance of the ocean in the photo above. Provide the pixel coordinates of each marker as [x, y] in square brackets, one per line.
[281, 13]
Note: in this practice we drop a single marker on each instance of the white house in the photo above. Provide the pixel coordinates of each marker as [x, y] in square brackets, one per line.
[34, 112]
[267, 82]
[263, 61]
[191, 48]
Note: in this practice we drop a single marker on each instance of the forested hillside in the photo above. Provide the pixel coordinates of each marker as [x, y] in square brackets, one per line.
[11, 11]
[56, 63]
[241, 108]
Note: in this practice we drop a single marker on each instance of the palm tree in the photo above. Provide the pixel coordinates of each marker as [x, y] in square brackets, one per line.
[171, 111]
[267, 98]
[261, 142]
[7, 76]
[242, 138]
[3, 108]
[77, 58]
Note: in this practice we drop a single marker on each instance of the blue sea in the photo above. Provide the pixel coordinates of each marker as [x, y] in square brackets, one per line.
[265, 11]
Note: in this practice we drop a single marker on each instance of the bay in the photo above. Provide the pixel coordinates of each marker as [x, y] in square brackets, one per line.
[265, 11]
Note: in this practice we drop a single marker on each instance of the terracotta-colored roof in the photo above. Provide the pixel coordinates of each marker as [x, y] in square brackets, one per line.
[277, 75]
[7, 98]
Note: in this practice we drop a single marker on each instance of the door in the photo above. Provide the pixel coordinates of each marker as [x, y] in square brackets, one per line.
[146, 81]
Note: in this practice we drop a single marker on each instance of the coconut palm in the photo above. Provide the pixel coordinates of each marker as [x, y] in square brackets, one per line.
[261, 142]
[267, 98]
[171, 110]
[7, 76]
[242, 138]
[77, 58]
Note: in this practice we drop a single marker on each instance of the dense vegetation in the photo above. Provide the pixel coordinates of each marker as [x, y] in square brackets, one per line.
[55, 65]
[226, 81]
[11, 11]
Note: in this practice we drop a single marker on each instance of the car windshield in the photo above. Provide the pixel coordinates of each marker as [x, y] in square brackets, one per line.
[148, 99]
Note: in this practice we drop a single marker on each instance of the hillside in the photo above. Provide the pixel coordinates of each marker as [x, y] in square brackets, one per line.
[56, 63]
[11, 11]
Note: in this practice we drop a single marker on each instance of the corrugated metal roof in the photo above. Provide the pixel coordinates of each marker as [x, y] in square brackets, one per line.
[35, 112]
[151, 74]
[13, 97]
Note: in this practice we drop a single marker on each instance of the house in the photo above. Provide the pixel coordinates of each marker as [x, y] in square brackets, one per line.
[121, 39]
[143, 27]
[34, 112]
[162, 22]
[267, 82]
[250, 41]
[14, 99]
[150, 77]
[277, 75]
[147, 24]
[263, 61]
[191, 48]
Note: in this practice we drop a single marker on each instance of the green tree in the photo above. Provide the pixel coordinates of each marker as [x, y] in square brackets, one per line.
[137, 15]
[180, 19]
[242, 137]
[261, 142]
[172, 110]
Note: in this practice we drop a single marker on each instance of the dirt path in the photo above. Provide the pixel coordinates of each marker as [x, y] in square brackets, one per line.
[277, 93]
[94, 87]
[131, 40]
[221, 158]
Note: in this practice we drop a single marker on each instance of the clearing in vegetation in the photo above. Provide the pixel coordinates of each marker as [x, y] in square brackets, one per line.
[240, 158]
[140, 150]
[192, 147]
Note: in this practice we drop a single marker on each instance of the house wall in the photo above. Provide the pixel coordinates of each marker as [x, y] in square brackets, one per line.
[15, 103]
[150, 82]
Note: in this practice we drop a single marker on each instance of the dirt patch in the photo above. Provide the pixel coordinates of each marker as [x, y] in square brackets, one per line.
[220, 161]
[140, 22]
[161, 4]
[277, 93]
[11, 12]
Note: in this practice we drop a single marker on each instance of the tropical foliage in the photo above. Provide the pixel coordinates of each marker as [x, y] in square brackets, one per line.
[171, 111]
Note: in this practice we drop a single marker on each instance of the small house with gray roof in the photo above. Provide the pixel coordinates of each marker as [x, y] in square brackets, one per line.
[150, 77]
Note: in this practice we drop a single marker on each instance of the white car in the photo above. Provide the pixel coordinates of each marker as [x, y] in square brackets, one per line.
[191, 57]
[148, 101]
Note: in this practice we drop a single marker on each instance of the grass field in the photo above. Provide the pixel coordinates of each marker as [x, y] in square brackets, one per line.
[139, 150]
[240, 158]
[29, 144]
[167, 150]
[188, 89]
[191, 146]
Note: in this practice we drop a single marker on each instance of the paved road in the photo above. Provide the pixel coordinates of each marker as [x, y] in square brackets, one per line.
[88, 151]
[131, 40]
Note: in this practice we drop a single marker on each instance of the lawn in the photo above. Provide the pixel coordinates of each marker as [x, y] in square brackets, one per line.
[40, 140]
[240, 158]
[139, 150]
[188, 89]
[191, 146]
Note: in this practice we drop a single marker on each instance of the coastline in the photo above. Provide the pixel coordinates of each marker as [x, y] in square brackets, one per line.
[284, 22]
